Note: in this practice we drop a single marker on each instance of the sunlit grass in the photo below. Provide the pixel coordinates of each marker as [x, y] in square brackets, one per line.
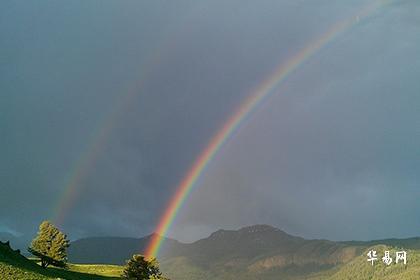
[98, 269]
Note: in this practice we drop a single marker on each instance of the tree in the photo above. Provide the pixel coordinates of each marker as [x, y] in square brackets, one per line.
[141, 268]
[50, 245]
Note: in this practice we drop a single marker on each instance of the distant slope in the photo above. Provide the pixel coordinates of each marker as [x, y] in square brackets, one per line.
[409, 243]
[110, 250]
[358, 269]
[18, 242]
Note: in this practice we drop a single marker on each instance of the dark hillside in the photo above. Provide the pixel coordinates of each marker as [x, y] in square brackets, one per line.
[110, 250]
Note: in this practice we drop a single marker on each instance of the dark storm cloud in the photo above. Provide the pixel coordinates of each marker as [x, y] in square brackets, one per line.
[340, 134]
[334, 156]
[65, 69]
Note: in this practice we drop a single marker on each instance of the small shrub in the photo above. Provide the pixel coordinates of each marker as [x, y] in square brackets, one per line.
[141, 268]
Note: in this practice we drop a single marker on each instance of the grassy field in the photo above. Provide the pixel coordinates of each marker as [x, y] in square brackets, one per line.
[98, 269]
[13, 266]
[76, 272]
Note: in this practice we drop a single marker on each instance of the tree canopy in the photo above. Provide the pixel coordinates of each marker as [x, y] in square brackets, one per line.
[50, 245]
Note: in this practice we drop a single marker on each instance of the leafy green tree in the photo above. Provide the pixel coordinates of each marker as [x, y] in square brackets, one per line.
[50, 245]
[141, 268]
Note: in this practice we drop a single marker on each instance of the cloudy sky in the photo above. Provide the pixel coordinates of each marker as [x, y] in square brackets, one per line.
[106, 104]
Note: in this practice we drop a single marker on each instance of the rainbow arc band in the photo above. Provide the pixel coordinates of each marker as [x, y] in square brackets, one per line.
[73, 185]
[262, 92]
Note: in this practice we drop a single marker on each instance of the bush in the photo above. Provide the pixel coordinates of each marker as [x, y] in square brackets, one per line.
[141, 268]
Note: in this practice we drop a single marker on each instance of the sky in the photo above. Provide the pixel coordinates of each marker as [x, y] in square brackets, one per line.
[124, 95]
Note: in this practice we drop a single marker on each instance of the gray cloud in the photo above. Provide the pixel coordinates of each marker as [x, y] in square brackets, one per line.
[333, 154]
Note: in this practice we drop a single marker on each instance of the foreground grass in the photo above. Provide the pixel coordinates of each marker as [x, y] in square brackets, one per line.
[74, 272]
[82, 272]
[113, 271]
[14, 266]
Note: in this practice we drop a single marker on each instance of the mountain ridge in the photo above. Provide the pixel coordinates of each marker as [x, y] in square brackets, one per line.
[251, 252]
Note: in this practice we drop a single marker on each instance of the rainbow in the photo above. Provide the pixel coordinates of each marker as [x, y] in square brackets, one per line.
[74, 180]
[262, 92]
[73, 183]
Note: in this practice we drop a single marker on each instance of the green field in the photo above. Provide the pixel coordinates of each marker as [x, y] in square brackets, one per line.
[14, 266]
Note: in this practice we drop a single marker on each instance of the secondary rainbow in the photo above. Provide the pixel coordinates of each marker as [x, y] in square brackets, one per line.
[73, 184]
[263, 91]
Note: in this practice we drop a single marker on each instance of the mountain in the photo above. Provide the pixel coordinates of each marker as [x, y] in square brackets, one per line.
[256, 252]
[250, 253]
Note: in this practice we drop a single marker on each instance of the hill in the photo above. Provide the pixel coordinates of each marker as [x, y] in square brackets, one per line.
[358, 270]
[19, 242]
[410, 243]
[112, 250]
[251, 253]
[255, 252]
